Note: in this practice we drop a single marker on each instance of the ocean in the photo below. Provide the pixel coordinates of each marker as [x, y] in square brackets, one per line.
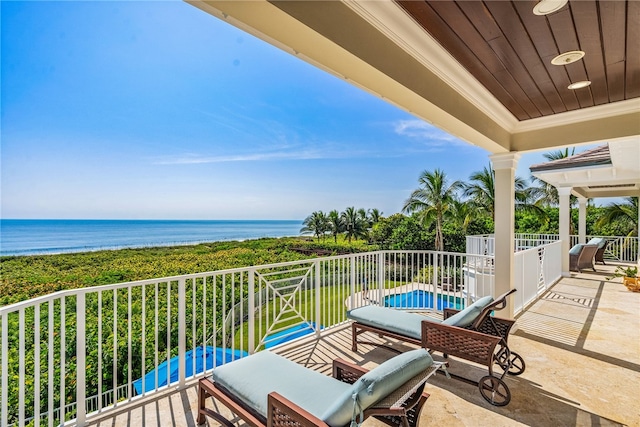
[51, 236]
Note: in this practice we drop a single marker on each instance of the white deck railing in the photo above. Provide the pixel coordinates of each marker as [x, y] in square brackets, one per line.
[619, 248]
[90, 345]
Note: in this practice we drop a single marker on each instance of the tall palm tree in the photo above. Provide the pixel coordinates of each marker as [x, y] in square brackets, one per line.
[431, 200]
[336, 224]
[482, 192]
[374, 216]
[355, 225]
[461, 214]
[545, 193]
[316, 223]
[627, 212]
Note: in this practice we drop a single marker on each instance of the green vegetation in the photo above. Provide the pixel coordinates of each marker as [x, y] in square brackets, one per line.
[441, 215]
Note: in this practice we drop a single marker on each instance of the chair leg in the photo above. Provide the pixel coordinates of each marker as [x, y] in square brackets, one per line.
[202, 400]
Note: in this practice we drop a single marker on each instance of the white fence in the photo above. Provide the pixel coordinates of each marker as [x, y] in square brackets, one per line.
[619, 248]
[99, 345]
[535, 270]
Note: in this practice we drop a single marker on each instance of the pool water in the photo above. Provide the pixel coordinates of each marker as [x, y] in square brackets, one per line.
[423, 299]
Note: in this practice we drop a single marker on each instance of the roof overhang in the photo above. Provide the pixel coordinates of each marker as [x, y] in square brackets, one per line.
[618, 177]
[377, 46]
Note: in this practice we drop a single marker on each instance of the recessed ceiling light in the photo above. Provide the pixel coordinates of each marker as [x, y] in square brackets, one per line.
[568, 57]
[545, 7]
[578, 85]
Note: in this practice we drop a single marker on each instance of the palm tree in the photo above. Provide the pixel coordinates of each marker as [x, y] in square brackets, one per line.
[354, 223]
[545, 193]
[315, 223]
[336, 224]
[432, 200]
[461, 214]
[626, 212]
[374, 216]
[482, 191]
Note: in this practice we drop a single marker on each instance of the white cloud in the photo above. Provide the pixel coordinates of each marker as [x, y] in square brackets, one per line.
[426, 134]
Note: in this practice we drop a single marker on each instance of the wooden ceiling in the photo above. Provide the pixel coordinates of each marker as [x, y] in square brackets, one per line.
[509, 50]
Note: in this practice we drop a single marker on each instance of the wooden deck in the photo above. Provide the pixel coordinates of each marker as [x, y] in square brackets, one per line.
[580, 341]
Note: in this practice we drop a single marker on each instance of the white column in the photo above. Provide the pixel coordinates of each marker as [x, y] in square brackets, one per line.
[564, 194]
[504, 166]
[582, 220]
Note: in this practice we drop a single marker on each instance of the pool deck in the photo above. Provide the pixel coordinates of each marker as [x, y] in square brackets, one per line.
[580, 341]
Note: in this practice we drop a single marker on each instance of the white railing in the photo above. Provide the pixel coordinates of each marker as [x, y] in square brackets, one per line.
[619, 248]
[99, 345]
[535, 270]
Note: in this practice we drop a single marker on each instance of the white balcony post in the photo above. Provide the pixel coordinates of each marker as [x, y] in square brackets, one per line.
[81, 359]
[582, 220]
[504, 166]
[564, 194]
[381, 275]
[182, 332]
[252, 311]
[316, 265]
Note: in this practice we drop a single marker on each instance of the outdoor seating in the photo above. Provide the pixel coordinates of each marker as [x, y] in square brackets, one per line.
[472, 334]
[602, 246]
[581, 257]
[267, 389]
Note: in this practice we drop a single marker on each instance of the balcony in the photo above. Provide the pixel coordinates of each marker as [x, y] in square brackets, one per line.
[578, 336]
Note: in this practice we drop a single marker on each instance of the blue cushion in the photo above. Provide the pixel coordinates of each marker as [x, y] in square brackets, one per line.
[392, 320]
[252, 378]
[468, 315]
[377, 384]
[576, 249]
[597, 241]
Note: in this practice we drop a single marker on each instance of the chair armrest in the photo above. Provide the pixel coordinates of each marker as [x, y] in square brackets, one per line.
[347, 372]
[448, 312]
[470, 345]
[282, 411]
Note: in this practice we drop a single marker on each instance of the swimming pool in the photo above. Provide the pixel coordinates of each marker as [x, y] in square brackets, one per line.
[423, 299]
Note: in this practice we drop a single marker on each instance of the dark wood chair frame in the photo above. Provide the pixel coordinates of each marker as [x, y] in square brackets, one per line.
[483, 342]
[283, 412]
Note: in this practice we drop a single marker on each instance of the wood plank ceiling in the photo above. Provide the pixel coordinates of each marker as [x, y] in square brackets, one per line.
[509, 50]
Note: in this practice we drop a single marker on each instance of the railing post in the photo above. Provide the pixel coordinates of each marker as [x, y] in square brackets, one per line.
[316, 265]
[353, 279]
[81, 359]
[4, 407]
[251, 307]
[182, 331]
[381, 275]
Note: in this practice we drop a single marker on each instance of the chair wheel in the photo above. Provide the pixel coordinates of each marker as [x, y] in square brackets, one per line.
[510, 361]
[516, 364]
[494, 390]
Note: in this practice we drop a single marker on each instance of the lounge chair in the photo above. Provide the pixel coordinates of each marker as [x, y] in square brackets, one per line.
[602, 246]
[267, 389]
[472, 334]
[581, 257]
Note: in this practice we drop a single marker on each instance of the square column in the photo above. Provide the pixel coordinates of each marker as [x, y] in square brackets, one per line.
[582, 220]
[564, 194]
[504, 166]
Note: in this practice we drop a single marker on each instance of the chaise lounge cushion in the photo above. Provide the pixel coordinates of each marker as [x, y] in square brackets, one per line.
[597, 241]
[575, 250]
[398, 321]
[377, 384]
[252, 378]
[469, 314]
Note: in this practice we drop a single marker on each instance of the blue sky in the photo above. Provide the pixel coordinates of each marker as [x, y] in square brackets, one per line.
[154, 110]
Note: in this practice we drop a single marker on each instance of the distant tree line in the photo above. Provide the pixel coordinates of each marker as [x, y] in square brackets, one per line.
[440, 213]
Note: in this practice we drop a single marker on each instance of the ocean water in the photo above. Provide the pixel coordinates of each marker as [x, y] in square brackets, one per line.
[31, 237]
